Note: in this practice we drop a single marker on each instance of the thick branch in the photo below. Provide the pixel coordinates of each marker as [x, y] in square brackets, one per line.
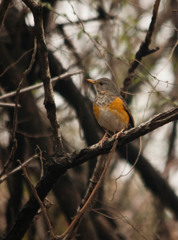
[35, 7]
[126, 137]
[56, 166]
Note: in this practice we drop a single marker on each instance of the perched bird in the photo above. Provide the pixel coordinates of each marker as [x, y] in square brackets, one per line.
[110, 109]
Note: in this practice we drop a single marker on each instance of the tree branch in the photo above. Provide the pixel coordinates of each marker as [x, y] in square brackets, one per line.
[39, 200]
[5, 176]
[3, 10]
[76, 221]
[39, 85]
[57, 165]
[36, 8]
[143, 50]
[11, 105]
[102, 16]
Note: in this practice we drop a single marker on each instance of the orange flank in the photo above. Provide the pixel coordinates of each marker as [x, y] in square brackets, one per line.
[96, 111]
[117, 107]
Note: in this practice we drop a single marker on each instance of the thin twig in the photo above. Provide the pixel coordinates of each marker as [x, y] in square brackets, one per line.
[3, 10]
[39, 85]
[58, 165]
[17, 169]
[93, 41]
[39, 200]
[11, 105]
[169, 58]
[94, 179]
[124, 218]
[67, 234]
[143, 50]
[85, 21]
[15, 117]
[41, 161]
[126, 174]
[13, 131]
[27, 71]
[16, 62]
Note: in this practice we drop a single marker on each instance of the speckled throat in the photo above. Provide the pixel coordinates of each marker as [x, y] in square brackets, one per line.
[103, 99]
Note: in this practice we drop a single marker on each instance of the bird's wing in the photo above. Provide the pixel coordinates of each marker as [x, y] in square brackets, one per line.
[131, 122]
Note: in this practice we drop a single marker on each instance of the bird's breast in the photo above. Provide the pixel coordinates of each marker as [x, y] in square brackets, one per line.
[112, 116]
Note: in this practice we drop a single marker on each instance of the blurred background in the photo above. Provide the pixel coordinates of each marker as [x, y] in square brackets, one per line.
[101, 38]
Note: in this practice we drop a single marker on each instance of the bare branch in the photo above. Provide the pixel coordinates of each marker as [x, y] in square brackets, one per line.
[17, 169]
[15, 117]
[3, 10]
[12, 105]
[143, 50]
[39, 85]
[127, 136]
[57, 165]
[38, 199]
[100, 17]
[36, 8]
[27, 71]
[75, 222]
[16, 62]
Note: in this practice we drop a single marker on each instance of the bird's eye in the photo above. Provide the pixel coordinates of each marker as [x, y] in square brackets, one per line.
[101, 83]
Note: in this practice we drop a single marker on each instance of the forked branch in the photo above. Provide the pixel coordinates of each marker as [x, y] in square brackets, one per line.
[143, 51]
[57, 165]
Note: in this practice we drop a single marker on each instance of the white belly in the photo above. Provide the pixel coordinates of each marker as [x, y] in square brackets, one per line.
[111, 122]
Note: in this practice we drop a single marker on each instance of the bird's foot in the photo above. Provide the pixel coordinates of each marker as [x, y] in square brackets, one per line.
[118, 134]
[103, 139]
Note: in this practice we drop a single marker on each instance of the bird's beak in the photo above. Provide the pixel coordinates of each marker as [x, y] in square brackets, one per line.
[90, 80]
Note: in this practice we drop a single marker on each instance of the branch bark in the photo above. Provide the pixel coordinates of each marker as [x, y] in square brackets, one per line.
[143, 50]
[39, 85]
[57, 165]
[36, 8]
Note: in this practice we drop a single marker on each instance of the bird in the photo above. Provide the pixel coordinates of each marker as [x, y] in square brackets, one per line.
[110, 109]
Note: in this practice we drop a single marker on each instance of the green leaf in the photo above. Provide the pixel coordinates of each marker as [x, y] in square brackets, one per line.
[80, 34]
